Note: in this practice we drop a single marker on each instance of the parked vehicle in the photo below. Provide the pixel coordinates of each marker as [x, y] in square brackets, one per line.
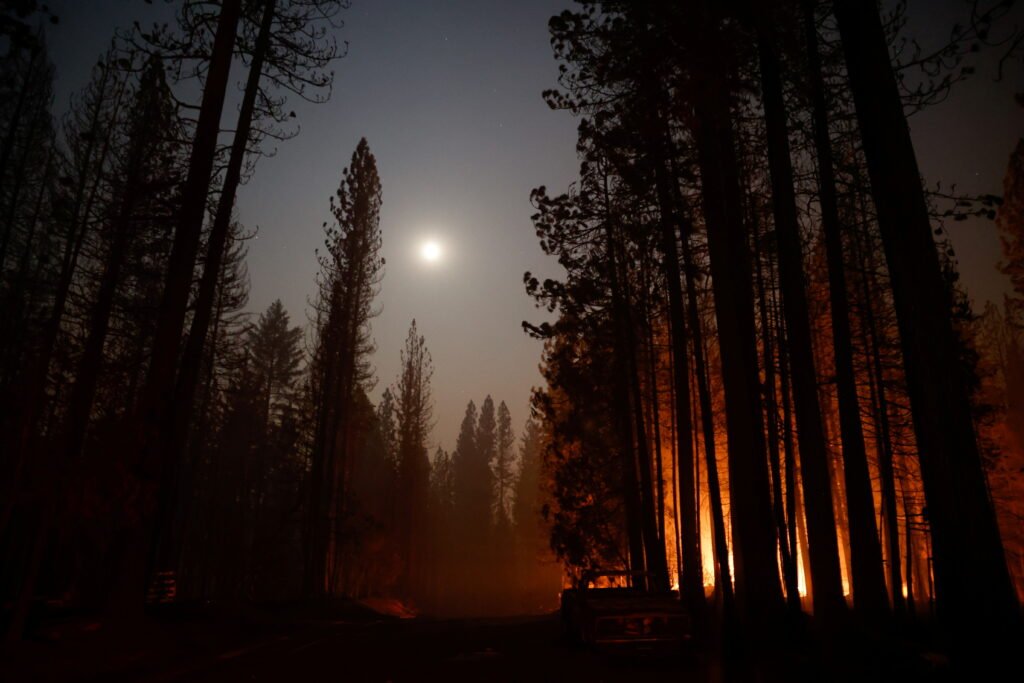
[612, 610]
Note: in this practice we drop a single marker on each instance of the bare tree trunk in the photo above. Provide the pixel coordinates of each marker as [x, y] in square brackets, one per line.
[655, 420]
[654, 546]
[33, 223]
[975, 597]
[883, 440]
[868, 580]
[723, 574]
[692, 587]
[7, 147]
[794, 498]
[632, 497]
[155, 403]
[188, 374]
[909, 542]
[821, 520]
[35, 376]
[673, 445]
[343, 435]
[331, 404]
[315, 534]
[19, 181]
[787, 553]
[758, 592]
[83, 391]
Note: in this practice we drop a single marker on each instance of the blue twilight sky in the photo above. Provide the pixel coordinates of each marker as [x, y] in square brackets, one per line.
[447, 93]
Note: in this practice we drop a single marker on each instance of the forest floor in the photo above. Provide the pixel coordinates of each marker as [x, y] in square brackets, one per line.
[353, 644]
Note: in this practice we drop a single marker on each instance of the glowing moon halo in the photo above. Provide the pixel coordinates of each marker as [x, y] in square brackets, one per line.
[430, 251]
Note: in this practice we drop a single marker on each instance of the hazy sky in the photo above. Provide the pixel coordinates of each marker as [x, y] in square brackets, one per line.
[447, 93]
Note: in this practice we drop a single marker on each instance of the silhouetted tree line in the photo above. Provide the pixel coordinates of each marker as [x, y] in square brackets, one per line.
[159, 443]
[491, 551]
[764, 384]
[149, 426]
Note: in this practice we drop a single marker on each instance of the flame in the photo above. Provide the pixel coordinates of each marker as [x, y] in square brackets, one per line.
[707, 538]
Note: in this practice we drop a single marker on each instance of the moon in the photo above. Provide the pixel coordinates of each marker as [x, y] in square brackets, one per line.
[430, 251]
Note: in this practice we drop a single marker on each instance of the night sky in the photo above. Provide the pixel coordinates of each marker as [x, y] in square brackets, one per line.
[447, 94]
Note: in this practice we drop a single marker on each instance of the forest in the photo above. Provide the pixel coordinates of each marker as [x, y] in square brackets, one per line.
[811, 416]
[161, 442]
[763, 384]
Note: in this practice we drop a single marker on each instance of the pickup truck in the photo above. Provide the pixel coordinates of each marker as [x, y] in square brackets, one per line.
[624, 616]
